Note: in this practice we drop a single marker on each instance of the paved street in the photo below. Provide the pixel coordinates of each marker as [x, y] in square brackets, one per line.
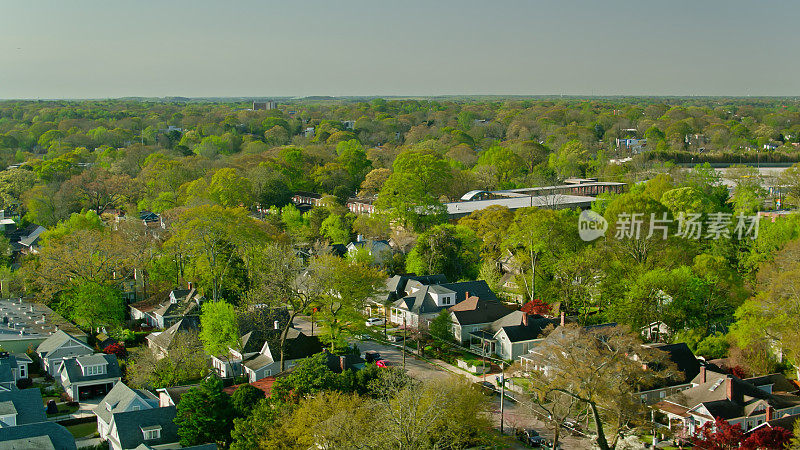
[517, 415]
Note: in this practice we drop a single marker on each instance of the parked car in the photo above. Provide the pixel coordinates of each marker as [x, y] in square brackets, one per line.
[371, 356]
[374, 322]
[531, 437]
[382, 363]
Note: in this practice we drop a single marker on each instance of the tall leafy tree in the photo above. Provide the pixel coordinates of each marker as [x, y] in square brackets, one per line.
[205, 414]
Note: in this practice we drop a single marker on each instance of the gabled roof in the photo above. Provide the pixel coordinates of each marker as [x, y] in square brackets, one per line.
[518, 329]
[55, 341]
[27, 403]
[165, 338]
[175, 393]
[475, 310]
[421, 302]
[684, 360]
[44, 435]
[729, 397]
[7, 364]
[130, 424]
[119, 398]
[75, 374]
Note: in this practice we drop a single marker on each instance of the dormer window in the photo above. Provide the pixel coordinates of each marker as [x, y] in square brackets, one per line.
[94, 370]
[152, 433]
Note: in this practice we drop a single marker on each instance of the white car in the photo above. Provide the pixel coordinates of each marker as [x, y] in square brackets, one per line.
[374, 322]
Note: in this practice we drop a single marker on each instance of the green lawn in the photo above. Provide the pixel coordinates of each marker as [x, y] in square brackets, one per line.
[64, 409]
[83, 429]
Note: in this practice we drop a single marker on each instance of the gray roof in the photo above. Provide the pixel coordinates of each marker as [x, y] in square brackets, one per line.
[44, 435]
[119, 397]
[28, 403]
[55, 341]
[164, 338]
[458, 209]
[475, 310]
[518, 331]
[92, 360]
[6, 365]
[130, 424]
[75, 373]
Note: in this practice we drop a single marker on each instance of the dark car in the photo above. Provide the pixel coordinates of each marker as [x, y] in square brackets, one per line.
[531, 437]
[371, 356]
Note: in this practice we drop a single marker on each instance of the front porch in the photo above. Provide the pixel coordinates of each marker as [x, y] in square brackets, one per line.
[482, 343]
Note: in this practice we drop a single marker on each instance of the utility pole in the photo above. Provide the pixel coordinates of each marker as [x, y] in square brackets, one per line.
[502, 393]
[404, 341]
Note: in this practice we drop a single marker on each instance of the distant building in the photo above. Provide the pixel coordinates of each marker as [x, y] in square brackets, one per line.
[634, 145]
[309, 132]
[265, 106]
[26, 324]
[13, 367]
[349, 124]
[163, 311]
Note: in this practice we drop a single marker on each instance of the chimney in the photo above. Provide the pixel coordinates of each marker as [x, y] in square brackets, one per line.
[702, 374]
[342, 363]
[770, 413]
[190, 285]
[525, 319]
[563, 318]
[729, 388]
[277, 325]
[466, 297]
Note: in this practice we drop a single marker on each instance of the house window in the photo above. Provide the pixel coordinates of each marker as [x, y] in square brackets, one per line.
[136, 407]
[149, 435]
[22, 372]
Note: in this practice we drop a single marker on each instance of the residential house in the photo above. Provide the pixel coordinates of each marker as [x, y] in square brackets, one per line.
[656, 331]
[687, 366]
[44, 435]
[422, 302]
[340, 363]
[58, 347]
[395, 290]
[21, 407]
[162, 341]
[378, 250]
[13, 367]
[24, 424]
[165, 309]
[172, 396]
[88, 376]
[511, 336]
[634, 145]
[749, 403]
[23, 240]
[256, 358]
[153, 427]
[474, 314]
[119, 399]
[25, 324]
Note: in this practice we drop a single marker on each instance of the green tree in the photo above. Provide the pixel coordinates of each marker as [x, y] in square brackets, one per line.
[453, 250]
[219, 329]
[229, 189]
[245, 398]
[92, 305]
[441, 327]
[205, 414]
[348, 286]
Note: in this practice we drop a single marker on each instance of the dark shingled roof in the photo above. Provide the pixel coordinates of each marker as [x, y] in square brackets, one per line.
[75, 374]
[35, 436]
[28, 403]
[476, 310]
[684, 359]
[164, 339]
[129, 426]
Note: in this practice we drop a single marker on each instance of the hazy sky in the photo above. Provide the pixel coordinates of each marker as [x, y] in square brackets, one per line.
[79, 49]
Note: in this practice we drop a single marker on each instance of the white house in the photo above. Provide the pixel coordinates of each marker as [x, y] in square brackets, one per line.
[121, 398]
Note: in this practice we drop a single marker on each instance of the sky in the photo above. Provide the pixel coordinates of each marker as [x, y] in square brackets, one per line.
[105, 49]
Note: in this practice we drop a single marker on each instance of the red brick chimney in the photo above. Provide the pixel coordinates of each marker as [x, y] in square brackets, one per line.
[770, 413]
[729, 388]
[563, 318]
[342, 363]
[702, 374]
[467, 296]
[525, 319]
